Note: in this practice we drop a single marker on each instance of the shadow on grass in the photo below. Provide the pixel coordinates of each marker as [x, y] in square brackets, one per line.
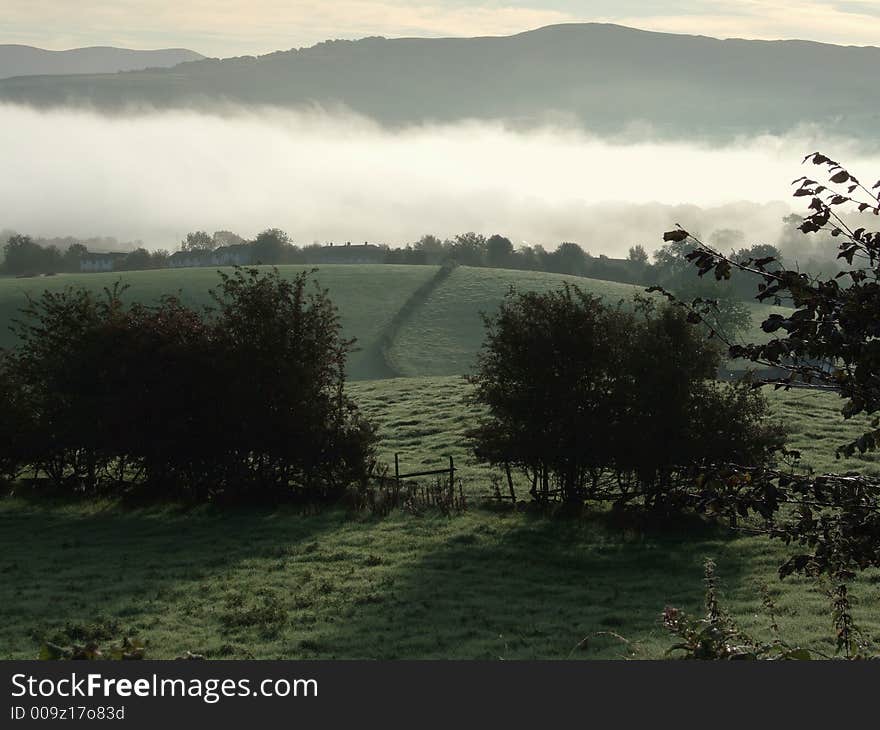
[526, 586]
[270, 583]
[92, 568]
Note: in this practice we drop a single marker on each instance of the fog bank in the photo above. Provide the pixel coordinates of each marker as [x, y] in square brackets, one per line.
[335, 177]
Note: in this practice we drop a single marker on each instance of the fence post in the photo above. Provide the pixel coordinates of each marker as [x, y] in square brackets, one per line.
[397, 471]
[451, 475]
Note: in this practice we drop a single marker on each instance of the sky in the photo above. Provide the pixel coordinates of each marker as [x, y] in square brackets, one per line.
[247, 27]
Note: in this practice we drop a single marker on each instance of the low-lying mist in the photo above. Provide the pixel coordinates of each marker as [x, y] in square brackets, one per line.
[321, 176]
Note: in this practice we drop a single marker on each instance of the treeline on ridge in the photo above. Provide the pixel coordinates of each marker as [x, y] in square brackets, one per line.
[26, 256]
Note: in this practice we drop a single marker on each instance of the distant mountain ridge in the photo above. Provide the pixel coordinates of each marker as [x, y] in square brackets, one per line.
[18, 60]
[603, 77]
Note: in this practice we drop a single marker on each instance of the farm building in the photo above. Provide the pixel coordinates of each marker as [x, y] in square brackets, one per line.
[101, 261]
[236, 255]
[365, 253]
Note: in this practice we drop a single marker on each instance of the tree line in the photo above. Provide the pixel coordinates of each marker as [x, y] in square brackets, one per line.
[273, 246]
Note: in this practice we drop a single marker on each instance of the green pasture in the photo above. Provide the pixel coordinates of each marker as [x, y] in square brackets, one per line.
[488, 583]
[366, 303]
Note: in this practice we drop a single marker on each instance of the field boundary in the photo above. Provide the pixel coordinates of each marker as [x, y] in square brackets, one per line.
[386, 339]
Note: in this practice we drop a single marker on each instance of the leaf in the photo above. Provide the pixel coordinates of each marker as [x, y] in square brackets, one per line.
[799, 654]
[676, 236]
[840, 177]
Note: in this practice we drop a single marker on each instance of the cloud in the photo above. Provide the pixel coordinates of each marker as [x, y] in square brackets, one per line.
[325, 177]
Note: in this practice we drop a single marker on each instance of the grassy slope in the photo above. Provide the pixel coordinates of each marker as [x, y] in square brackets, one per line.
[367, 296]
[274, 584]
[447, 331]
[441, 337]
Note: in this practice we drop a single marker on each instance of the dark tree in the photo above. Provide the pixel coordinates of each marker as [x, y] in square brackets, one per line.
[138, 260]
[73, 256]
[469, 249]
[270, 246]
[245, 401]
[197, 241]
[23, 256]
[638, 255]
[499, 252]
[581, 396]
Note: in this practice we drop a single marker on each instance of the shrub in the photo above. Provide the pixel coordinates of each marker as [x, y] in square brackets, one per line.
[246, 400]
[589, 400]
[15, 424]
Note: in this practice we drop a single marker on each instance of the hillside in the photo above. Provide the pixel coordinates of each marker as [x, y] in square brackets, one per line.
[601, 76]
[438, 334]
[16, 60]
[429, 345]
[367, 301]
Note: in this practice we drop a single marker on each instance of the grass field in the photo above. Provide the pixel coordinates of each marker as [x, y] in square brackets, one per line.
[441, 337]
[366, 303]
[425, 419]
[445, 334]
[483, 584]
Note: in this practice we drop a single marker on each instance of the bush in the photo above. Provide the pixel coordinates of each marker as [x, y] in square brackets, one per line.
[245, 400]
[15, 424]
[591, 401]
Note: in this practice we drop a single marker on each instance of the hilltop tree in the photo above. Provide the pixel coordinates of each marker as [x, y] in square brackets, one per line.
[469, 249]
[499, 252]
[568, 258]
[197, 241]
[638, 255]
[431, 248]
[270, 246]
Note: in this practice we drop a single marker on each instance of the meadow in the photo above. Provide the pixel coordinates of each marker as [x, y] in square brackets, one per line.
[366, 304]
[488, 583]
[440, 335]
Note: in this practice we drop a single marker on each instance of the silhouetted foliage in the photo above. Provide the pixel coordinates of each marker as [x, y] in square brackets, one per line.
[244, 401]
[197, 241]
[829, 340]
[23, 256]
[587, 400]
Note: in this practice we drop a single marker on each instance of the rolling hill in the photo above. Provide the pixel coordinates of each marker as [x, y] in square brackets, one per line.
[600, 76]
[368, 297]
[16, 60]
[409, 321]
